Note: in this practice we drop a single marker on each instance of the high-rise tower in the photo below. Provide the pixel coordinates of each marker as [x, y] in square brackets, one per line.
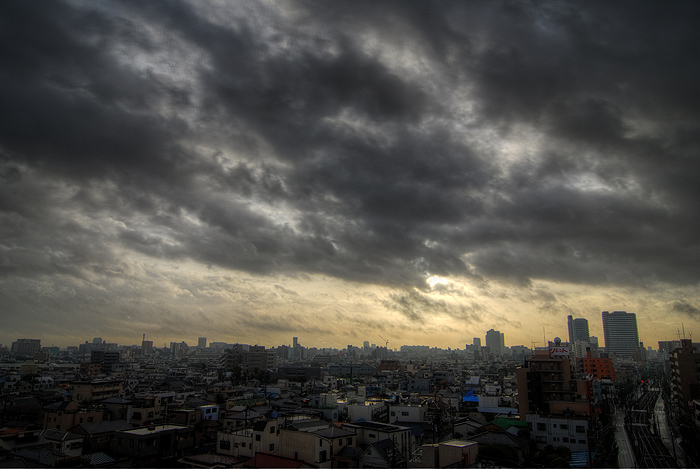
[578, 330]
[620, 332]
[495, 341]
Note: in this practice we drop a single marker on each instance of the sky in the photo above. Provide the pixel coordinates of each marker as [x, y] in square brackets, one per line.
[340, 171]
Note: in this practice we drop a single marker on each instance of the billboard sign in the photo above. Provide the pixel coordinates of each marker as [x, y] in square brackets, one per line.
[558, 351]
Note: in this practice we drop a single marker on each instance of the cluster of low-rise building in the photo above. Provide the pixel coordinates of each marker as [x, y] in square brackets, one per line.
[235, 405]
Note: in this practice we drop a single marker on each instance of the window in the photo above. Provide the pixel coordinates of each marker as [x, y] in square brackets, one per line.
[566, 440]
[541, 427]
[224, 444]
[272, 429]
[257, 437]
[564, 426]
[136, 416]
[349, 441]
[582, 442]
[90, 419]
[541, 439]
[393, 413]
[405, 414]
[322, 456]
[372, 435]
[243, 444]
[580, 429]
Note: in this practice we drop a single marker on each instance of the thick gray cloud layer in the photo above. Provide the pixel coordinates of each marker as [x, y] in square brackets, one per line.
[376, 142]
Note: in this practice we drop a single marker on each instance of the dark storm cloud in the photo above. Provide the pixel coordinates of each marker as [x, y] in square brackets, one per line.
[687, 309]
[281, 140]
[418, 307]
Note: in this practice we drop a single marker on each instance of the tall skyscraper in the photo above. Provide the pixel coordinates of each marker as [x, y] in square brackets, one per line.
[578, 330]
[202, 342]
[620, 332]
[477, 341]
[495, 341]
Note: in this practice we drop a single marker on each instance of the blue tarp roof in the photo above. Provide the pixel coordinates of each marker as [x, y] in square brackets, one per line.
[470, 397]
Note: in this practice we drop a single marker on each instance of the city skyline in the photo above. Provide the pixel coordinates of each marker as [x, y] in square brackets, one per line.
[547, 337]
[425, 172]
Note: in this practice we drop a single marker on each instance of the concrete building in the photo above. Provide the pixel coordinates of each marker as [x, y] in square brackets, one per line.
[578, 329]
[685, 375]
[249, 358]
[373, 432]
[599, 367]
[156, 446]
[320, 448]
[547, 385]
[452, 453]
[559, 431]
[620, 332]
[495, 341]
[202, 342]
[26, 347]
[64, 415]
[96, 390]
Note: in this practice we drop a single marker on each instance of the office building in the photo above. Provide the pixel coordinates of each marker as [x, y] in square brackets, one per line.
[202, 342]
[578, 330]
[620, 333]
[26, 346]
[495, 341]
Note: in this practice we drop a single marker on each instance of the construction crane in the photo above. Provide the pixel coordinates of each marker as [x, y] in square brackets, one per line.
[532, 344]
[386, 342]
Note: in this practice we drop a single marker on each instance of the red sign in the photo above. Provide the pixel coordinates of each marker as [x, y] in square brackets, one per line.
[558, 352]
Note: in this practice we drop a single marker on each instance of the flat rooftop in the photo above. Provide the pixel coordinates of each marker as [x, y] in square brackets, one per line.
[156, 429]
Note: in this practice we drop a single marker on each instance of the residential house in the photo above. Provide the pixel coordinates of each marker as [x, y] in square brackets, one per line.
[155, 446]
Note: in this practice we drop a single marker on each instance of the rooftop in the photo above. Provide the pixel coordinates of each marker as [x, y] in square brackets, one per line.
[154, 429]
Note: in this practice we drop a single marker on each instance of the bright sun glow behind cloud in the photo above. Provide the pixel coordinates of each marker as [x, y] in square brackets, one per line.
[434, 280]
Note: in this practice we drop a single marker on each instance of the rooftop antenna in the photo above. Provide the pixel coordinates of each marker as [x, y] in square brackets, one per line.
[544, 336]
[683, 330]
